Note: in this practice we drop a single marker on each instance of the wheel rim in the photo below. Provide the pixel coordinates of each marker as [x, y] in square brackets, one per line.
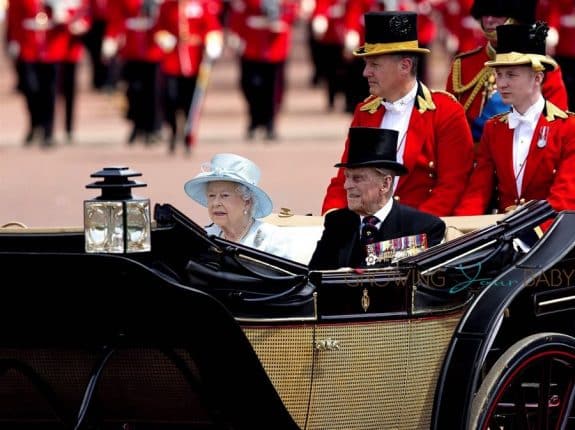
[537, 393]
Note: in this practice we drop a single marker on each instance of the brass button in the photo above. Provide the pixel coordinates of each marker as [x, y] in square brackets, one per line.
[522, 201]
[396, 198]
[430, 190]
[554, 171]
[516, 201]
[431, 165]
[431, 175]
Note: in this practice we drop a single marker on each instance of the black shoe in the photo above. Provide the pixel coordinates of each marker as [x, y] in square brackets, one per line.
[32, 135]
[251, 133]
[48, 142]
[133, 136]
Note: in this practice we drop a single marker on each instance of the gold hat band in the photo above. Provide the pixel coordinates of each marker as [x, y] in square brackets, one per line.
[392, 46]
[537, 61]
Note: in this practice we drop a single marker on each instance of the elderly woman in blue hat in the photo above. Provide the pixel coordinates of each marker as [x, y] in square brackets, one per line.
[228, 188]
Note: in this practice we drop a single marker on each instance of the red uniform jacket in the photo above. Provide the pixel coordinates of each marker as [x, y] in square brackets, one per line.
[265, 38]
[132, 26]
[549, 169]
[334, 12]
[560, 14]
[438, 153]
[42, 35]
[189, 21]
[469, 76]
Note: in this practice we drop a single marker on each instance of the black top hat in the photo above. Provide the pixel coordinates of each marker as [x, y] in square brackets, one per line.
[390, 32]
[521, 44]
[373, 147]
[522, 11]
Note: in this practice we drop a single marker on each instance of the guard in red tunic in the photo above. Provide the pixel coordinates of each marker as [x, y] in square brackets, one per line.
[434, 138]
[328, 31]
[186, 31]
[528, 152]
[130, 35]
[77, 24]
[263, 31]
[473, 83]
[38, 39]
[560, 14]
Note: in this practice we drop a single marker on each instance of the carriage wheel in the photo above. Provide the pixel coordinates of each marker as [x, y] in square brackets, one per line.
[531, 386]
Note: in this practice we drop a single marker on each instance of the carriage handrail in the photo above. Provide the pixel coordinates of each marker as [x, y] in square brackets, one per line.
[525, 217]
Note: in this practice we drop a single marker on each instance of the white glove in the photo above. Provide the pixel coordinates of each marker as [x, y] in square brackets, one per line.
[214, 44]
[109, 48]
[351, 41]
[319, 26]
[78, 27]
[165, 40]
[236, 43]
[552, 40]
[13, 49]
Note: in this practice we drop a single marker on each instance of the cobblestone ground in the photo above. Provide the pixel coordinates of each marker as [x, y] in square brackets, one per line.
[46, 187]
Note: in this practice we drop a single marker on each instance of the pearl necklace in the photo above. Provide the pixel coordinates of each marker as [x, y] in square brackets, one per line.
[242, 235]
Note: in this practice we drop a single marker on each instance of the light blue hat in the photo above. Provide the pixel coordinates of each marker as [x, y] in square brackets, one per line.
[234, 168]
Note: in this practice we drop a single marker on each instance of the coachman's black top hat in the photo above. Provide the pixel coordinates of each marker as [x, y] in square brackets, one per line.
[390, 32]
[373, 147]
[522, 11]
[521, 44]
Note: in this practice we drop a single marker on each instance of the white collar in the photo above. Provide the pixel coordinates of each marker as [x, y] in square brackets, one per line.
[531, 116]
[404, 102]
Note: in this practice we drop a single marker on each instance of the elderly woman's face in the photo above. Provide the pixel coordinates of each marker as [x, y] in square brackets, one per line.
[226, 205]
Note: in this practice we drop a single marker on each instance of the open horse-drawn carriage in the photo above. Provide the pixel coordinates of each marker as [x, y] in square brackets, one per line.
[200, 333]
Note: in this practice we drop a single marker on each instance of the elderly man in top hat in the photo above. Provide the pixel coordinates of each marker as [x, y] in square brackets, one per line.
[528, 151]
[374, 227]
[434, 139]
[473, 83]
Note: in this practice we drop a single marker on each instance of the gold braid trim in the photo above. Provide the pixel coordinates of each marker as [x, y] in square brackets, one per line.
[478, 81]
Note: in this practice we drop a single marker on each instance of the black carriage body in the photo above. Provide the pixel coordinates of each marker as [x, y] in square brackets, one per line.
[201, 333]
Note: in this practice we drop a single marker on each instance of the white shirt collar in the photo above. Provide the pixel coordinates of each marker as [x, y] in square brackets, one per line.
[531, 116]
[406, 101]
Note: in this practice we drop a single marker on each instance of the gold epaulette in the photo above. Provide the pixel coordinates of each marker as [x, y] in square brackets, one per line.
[553, 112]
[371, 106]
[503, 116]
[426, 102]
[447, 93]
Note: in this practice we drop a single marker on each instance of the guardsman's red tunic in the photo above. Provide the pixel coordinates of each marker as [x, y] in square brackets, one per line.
[549, 170]
[438, 153]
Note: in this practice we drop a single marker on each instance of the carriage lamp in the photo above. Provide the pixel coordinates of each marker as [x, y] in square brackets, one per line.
[117, 222]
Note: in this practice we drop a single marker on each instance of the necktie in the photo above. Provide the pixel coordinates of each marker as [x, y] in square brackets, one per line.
[369, 229]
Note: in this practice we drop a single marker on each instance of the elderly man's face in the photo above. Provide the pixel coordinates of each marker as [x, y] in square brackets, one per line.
[518, 85]
[366, 189]
[385, 75]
